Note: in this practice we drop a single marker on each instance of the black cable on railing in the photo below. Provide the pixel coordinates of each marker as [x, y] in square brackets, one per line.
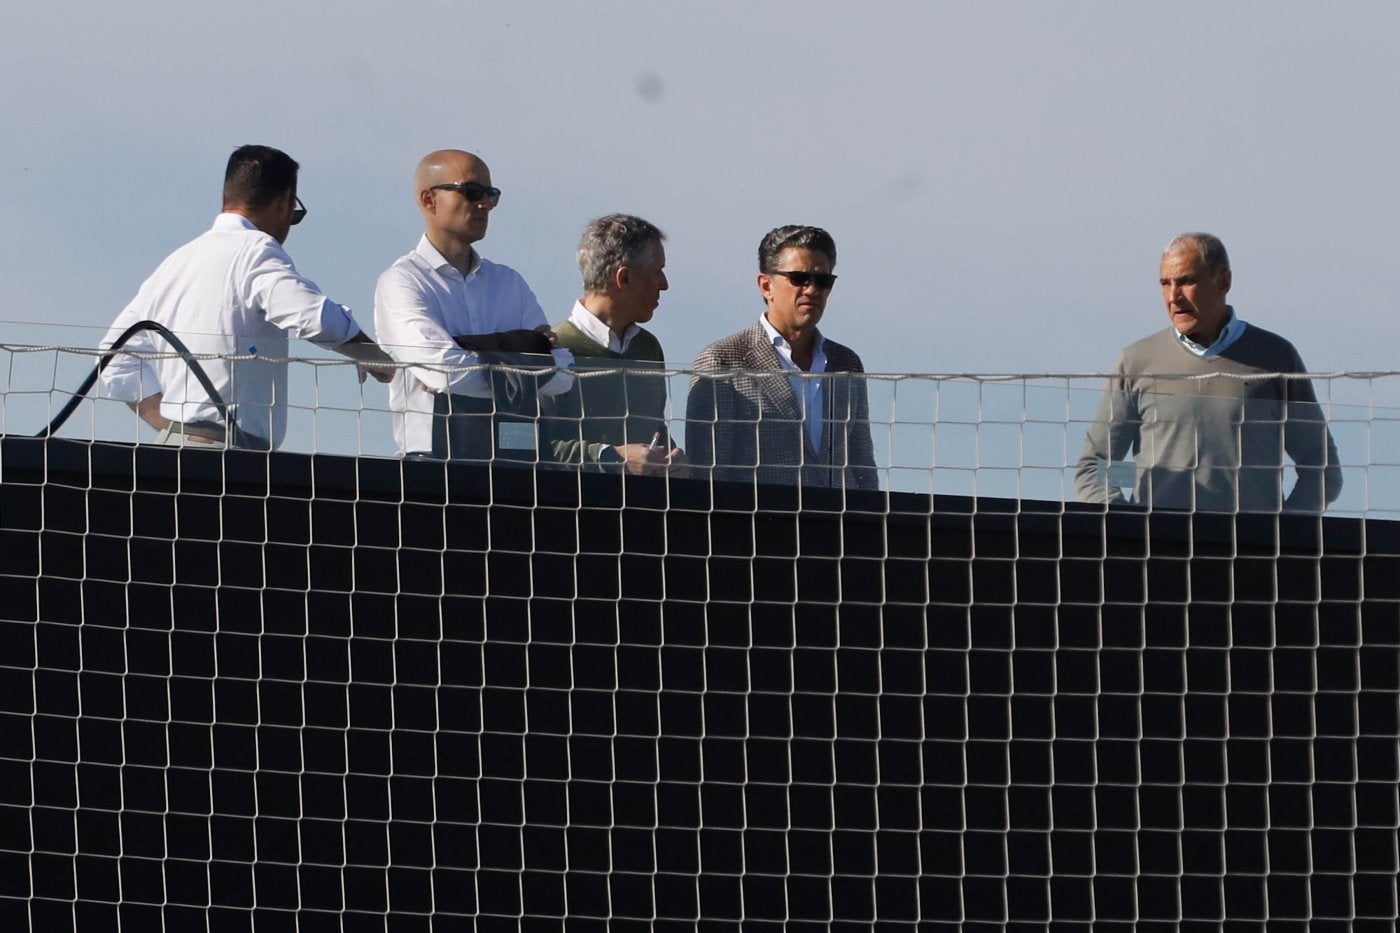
[117, 344]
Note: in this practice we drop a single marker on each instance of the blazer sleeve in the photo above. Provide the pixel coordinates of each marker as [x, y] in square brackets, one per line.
[860, 449]
[703, 412]
[860, 469]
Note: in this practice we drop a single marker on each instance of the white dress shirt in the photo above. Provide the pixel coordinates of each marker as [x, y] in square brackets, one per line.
[807, 390]
[600, 333]
[421, 305]
[233, 291]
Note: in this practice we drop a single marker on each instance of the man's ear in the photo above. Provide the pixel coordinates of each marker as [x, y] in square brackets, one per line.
[622, 277]
[765, 287]
[425, 200]
[1225, 281]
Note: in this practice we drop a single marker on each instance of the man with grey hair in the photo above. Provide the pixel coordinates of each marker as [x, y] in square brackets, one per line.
[1209, 406]
[615, 416]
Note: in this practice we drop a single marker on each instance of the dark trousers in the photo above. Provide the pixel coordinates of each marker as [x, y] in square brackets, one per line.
[468, 428]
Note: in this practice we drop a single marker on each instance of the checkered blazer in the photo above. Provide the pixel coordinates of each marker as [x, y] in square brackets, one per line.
[744, 422]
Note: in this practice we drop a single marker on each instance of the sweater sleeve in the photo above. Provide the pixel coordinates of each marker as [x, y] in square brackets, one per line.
[1310, 446]
[1113, 434]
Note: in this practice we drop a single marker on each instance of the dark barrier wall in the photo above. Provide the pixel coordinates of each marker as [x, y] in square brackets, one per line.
[319, 692]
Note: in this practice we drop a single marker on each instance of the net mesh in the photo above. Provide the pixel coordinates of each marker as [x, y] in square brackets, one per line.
[332, 688]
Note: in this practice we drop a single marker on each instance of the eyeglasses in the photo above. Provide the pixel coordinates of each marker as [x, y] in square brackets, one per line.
[298, 213]
[473, 191]
[822, 280]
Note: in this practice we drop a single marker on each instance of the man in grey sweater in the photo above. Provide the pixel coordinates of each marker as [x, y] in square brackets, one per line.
[1209, 407]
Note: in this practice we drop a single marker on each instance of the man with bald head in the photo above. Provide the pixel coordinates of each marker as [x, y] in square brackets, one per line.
[442, 307]
[1195, 406]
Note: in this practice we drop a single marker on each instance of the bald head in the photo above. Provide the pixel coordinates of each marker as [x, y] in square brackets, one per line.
[446, 166]
[454, 194]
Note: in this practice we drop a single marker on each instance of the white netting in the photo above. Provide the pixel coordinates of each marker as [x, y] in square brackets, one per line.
[350, 690]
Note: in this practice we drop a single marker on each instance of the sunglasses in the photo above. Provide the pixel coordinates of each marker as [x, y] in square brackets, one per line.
[298, 213]
[822, 280]
[473, 191]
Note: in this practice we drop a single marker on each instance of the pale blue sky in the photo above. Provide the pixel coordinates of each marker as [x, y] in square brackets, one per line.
[1000, 177]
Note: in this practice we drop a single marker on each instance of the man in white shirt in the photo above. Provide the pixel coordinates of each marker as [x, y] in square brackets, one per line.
[233, 292]
[778, 401]
[441, 306]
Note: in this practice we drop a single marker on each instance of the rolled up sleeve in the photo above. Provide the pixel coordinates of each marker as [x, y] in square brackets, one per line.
[293, 303]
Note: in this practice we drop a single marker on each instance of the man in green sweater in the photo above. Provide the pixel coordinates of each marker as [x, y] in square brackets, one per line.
[1195, 406]
[615, 416]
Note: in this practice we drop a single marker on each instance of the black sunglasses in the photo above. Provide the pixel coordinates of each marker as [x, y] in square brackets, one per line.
[822, 280]
[473, 191]
[298, 213]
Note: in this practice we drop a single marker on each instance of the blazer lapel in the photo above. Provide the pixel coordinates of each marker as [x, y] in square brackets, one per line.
[836, 399]
[773, 384]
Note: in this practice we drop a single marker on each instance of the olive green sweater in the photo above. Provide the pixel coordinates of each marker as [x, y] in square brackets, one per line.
[617, 398]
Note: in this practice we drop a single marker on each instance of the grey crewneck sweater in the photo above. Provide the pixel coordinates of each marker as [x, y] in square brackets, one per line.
[1211, 444]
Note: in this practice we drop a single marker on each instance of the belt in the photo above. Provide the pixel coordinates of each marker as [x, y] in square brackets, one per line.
[206, 431]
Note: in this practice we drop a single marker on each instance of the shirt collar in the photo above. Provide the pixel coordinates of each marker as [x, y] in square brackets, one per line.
[784, 349]
[1231, 332]
[231, 221]
[432, 257]
[600, 333]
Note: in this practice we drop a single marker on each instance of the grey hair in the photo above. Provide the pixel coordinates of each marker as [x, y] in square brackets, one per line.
[611, 242]
[1205, 245]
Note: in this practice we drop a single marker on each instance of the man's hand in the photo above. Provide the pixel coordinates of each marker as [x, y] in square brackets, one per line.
[380, 372]
[148, 410]
[548, 332]
[365, 353]
[642, 460]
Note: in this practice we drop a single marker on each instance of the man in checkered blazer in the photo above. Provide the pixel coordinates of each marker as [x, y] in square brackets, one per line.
[778, 402]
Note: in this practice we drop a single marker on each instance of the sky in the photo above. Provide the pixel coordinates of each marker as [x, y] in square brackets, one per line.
[1000, 177]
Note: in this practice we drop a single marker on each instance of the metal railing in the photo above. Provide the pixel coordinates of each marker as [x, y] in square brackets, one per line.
[1015, 436]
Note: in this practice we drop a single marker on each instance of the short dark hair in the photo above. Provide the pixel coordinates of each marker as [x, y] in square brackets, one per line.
[611, 242]
[794, 236]
[1205, 245]
[258, 175]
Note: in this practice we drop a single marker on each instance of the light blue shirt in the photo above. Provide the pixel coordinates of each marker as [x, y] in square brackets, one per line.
[1234, 328]
[807, 390]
